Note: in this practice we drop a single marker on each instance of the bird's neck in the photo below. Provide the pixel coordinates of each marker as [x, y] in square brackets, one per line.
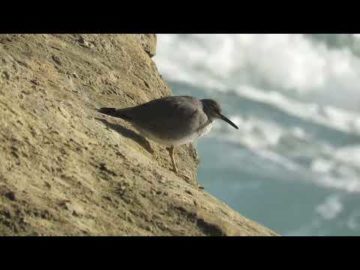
[208, 123]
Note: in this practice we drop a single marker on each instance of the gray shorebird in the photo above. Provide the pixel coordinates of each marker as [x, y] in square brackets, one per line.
[173, 120]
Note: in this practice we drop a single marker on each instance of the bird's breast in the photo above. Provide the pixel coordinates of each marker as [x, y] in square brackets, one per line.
[203, 131]
[183, 136]
[190, 137]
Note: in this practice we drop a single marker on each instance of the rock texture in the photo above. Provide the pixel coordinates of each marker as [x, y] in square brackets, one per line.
[66, 170]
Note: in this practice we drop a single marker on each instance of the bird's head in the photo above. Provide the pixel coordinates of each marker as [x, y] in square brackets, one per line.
[213, 111]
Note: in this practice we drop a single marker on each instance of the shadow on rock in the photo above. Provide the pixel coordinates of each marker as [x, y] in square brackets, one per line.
[128, 133]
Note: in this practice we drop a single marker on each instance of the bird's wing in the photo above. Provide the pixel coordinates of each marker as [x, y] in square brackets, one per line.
[169, 113]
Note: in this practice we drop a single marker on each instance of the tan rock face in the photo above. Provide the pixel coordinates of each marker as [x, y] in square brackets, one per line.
[148, 42]
[66, 170]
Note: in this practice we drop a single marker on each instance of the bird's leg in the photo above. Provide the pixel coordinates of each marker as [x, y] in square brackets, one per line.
[171, 153]
[187, 177]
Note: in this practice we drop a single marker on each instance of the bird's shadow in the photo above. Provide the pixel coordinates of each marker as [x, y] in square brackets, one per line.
[128, 133]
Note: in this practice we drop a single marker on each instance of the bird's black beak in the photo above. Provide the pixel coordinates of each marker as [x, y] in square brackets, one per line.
[228, 121]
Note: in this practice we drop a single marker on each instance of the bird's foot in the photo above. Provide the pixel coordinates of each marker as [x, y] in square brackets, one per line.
[175, 170]
[188, 178]
[185, 176]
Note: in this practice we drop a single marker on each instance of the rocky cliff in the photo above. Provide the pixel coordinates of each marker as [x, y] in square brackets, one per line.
[66, 170]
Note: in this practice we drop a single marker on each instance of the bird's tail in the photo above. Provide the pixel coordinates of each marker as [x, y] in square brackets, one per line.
[120, 113]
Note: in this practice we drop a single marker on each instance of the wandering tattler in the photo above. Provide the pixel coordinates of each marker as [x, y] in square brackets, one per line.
[173, 120]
